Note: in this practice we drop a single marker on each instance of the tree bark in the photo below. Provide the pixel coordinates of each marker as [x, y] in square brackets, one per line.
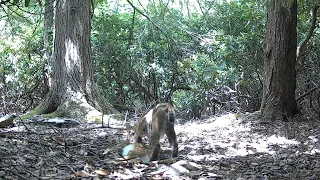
[47, 28]
[280, 60]
[72, 80]
[47, 39]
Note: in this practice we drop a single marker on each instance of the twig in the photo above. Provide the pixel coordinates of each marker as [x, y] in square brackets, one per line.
[149, 19]
[19, 175]
[308, 92]
[66, 165]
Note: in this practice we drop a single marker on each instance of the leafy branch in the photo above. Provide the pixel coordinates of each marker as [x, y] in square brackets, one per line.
[311, 29]
[149, 19]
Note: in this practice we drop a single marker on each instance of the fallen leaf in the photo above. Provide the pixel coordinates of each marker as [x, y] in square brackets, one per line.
[195, 173]
[160, 171]
[101, 172]
[157, 177]
[83, 173]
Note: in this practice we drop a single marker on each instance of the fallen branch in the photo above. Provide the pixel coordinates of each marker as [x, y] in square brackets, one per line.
[308, 92]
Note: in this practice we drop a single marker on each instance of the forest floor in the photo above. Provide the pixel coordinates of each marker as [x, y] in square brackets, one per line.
[225, 147]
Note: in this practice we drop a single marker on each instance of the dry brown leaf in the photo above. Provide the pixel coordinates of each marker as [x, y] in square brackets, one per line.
[157, 177]
[102, 172]
[83, 173]
[195, 173]
[160, 171]
[59, 140]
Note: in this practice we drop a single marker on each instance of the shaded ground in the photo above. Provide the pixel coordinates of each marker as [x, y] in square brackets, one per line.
[226, 147]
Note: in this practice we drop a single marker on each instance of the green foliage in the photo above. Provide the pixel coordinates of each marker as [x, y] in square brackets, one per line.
[20, 63]
[141, 65]
[207, 78]
[15, 1]
[234, 56]
[26, 2]
[194, 60]
[110, 51]
[308, 65]
[206, 61]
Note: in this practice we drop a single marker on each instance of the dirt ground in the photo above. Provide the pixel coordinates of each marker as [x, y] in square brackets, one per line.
[225, 147]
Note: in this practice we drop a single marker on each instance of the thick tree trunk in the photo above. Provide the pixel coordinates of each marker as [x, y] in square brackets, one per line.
[72, 81]
[279, 65]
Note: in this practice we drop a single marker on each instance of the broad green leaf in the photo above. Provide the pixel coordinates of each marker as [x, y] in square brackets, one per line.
[26, 3]
[15, 2]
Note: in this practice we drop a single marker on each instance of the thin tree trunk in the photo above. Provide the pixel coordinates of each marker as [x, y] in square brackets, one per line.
[47, 39]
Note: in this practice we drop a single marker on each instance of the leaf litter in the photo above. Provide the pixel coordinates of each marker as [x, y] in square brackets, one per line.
[225, 147]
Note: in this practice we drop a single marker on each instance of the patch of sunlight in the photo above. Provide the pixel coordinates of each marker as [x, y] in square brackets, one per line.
[281, 141]
[102, 134]
[225, 121]
[71, 54]
[263, 144]
[9, 78]
[312, 148]
[313, 139]
[205, 157]
[226, 136]
[2, 24]
[313, 151]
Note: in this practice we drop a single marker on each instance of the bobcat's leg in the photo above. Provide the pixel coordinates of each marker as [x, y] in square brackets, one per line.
[172, 137]
[155, 152]
[154, 143]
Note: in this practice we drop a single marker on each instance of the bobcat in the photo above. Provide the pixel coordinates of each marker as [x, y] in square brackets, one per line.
[157, 122]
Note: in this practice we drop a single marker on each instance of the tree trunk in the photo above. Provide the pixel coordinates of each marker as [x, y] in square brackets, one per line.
[47, 39]
[73, 92]
[47, 28]
[279, 64]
